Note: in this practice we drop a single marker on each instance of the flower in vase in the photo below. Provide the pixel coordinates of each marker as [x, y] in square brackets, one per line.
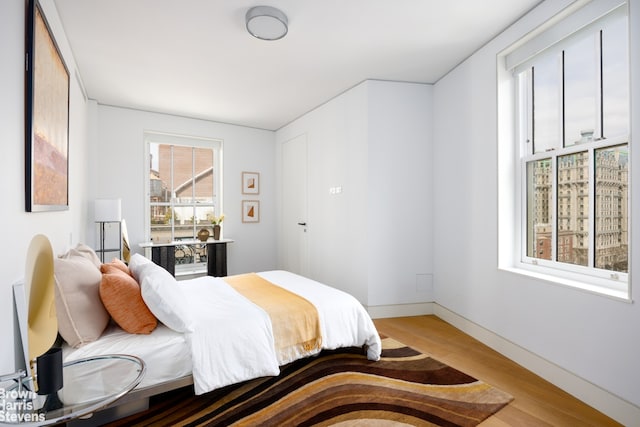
[216, 220]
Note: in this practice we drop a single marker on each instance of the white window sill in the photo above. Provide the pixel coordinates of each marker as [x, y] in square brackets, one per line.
[608, 288]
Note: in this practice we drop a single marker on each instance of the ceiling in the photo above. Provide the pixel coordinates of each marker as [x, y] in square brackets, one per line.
[195, 58]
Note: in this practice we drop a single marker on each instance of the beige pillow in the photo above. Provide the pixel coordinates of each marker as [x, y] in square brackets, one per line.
[81, 315]
[87, 252]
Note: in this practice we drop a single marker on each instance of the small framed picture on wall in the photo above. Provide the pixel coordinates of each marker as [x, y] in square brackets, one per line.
[250, 183]
[250, 211]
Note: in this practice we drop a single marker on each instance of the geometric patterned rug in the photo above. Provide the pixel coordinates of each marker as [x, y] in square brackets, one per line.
[341, 387]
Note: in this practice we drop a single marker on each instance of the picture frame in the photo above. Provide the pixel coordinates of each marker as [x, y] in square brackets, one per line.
[46, 117]
[250, 211]
[250, 183]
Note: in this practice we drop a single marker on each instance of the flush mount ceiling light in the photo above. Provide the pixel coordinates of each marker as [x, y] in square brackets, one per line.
[266, 23]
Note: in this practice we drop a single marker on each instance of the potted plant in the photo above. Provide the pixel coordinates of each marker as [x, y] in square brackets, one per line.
[216, 221]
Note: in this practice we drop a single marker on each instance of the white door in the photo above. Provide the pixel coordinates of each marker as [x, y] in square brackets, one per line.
[294, 205]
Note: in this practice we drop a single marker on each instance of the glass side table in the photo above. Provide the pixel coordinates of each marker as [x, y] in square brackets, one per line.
[89, 384]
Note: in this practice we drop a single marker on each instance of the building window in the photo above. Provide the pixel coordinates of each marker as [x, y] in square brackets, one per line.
[183, 187]
[572, 121]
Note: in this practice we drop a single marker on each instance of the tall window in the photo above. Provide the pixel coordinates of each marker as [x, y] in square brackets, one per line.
[573, 126]
[183, 182]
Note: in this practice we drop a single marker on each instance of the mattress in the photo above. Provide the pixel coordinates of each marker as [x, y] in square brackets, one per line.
[164, 351]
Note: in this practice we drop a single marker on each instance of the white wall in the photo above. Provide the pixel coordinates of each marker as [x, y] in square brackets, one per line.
[117, 155]
[374, 238]
[592, 336]
[336, 149]
[400, 192]
[64, 228]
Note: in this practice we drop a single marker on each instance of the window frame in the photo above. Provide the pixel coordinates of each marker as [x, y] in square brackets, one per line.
[153, 137]
[589, 270]
[590, 278]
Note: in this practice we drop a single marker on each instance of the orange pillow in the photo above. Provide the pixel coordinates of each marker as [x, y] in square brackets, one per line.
[121, 296]
[105, 268]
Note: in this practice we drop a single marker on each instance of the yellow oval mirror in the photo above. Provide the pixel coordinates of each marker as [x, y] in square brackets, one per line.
[40, 294]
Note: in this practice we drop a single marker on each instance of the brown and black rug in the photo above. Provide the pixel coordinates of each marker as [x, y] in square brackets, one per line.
[338, 387]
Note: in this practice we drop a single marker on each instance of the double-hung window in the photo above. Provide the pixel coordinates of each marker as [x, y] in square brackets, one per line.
[183, 193]
[572, 130]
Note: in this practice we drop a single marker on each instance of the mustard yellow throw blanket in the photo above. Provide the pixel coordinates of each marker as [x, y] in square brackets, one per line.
[295, 321]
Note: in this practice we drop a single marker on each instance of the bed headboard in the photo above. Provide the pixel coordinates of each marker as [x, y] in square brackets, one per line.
[35, 301]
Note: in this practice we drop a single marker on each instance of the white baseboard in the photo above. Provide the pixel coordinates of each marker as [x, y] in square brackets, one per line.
[400, 310]
[613, 406]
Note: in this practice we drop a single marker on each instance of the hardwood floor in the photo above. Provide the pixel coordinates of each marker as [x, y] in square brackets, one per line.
[536, 401]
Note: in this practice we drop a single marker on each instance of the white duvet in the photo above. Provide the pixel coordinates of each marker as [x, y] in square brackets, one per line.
[228, 338]
[231, 338]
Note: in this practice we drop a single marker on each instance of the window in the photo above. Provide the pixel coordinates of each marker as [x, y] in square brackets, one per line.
[183, 187]
[572, 124]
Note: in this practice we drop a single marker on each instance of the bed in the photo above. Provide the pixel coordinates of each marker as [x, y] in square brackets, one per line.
[211, 333]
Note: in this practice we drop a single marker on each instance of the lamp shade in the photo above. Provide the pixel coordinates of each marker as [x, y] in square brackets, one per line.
[266, 23]
[108, 210]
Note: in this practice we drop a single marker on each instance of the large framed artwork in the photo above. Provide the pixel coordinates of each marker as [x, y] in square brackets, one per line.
[47, 118]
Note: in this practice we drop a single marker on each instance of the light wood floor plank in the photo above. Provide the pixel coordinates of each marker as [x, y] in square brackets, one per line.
[536, 401]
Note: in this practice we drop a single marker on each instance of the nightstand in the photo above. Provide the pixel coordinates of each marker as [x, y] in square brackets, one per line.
[90, 384]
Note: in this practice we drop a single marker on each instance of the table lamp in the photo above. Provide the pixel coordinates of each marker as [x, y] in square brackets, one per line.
[106, 211]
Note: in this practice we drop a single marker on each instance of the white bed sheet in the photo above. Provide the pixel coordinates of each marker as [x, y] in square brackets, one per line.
[164, 351]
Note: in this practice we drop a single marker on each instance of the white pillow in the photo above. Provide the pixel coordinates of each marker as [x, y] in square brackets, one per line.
[136, 263]
[163, 295]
